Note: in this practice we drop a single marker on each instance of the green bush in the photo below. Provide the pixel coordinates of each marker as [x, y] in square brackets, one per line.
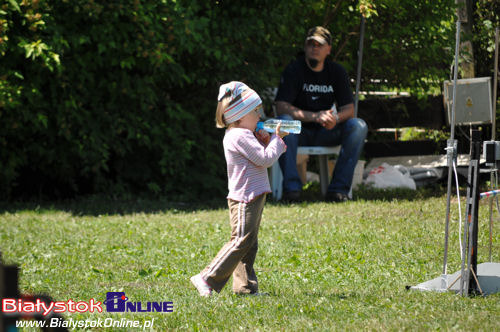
[99, 96]
[119, 96]
[486, 18]
[90, 82]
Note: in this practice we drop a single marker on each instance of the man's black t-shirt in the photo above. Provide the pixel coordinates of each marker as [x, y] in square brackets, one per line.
[314, 91]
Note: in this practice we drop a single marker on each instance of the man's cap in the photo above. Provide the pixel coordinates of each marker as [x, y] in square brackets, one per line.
[319, 34]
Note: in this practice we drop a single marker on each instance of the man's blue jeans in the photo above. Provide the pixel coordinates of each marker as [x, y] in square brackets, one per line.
[350, 135]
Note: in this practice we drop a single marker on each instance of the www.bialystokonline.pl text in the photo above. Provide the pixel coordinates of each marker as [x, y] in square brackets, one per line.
[71, 323]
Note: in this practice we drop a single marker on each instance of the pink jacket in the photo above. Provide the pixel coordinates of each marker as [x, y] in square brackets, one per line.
[247, 162]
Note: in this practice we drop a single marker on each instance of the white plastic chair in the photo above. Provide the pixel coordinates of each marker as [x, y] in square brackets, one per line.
[322, 152]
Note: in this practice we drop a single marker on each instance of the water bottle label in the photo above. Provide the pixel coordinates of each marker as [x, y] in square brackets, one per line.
[290, 126]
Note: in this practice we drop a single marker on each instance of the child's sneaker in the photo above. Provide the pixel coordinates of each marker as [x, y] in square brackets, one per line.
[201, 285]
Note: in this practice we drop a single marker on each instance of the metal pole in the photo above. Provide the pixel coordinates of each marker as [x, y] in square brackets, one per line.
[495, 84]
[493, 128]
[495, 192]
[473, 285]
[360, 61]
[467, 282]
[467, 220]
[492, 176]
[451, 150]
[455, 77]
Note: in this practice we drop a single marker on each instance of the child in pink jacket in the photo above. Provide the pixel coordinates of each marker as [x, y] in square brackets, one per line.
[248, 155]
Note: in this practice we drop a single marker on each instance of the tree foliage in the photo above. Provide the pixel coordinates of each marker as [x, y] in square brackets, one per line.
[119, 96]
[486, 19]
[409, 44]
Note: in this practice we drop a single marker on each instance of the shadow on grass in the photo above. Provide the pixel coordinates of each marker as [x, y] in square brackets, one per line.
[103, 205]
[311, 193]
[332, 295]
[429, 191]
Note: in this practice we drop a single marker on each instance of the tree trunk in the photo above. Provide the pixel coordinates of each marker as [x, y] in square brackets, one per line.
[466, 61]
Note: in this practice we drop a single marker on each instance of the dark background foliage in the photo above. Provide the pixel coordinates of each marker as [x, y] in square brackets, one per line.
[119, 97]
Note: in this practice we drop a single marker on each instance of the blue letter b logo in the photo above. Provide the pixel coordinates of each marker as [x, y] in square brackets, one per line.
[115, 301]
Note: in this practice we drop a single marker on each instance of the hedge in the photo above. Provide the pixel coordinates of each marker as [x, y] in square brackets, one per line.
[119, 97]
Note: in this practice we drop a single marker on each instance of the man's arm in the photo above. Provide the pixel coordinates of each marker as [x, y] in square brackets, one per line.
[346, 112]
[283, 107]
[325, 118]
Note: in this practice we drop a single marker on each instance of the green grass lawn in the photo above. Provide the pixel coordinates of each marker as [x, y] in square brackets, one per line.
[325, 266]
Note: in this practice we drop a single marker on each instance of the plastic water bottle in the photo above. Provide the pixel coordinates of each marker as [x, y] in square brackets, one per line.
[289, 126]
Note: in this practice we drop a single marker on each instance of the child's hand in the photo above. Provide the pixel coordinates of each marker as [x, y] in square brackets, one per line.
[263, 137]
[279, 132]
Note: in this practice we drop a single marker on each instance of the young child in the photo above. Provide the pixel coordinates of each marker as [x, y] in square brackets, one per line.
[248, 155]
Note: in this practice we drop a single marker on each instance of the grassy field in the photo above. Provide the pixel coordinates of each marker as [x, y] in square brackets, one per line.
[324, 266]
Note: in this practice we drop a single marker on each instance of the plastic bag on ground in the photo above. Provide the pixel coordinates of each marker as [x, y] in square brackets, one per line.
[387, 176]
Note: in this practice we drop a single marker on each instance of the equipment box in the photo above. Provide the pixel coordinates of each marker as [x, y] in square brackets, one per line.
[473, 101]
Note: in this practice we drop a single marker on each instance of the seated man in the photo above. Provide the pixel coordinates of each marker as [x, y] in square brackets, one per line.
[311, 89]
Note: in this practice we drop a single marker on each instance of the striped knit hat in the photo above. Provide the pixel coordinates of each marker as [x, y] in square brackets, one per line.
[238, 108]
